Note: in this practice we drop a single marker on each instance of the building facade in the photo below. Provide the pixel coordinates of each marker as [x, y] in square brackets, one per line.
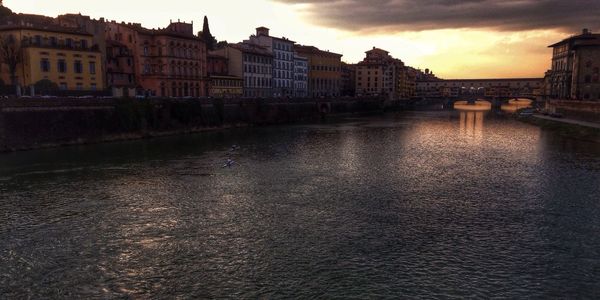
[120, 72]
[220, 83]
[498, 88]
[252, 63]
[348, 80]
[65, 56]
[324, 71]
[300, 77]
[575, 71]
[94, 27]
[169, 62]
[379, 74]
[282, 51]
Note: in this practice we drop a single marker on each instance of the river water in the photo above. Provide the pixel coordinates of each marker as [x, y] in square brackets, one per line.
[413, 205]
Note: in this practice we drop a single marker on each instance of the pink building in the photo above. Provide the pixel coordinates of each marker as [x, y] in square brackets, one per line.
[167, 62]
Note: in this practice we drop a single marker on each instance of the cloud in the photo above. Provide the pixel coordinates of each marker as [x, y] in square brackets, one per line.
[420, 15]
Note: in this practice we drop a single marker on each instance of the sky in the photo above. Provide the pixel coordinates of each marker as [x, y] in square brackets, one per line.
[453, 38]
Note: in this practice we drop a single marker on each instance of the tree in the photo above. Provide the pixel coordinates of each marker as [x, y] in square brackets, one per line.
[208, 38]
[4, 11]
[45, 87]
[11, 55]
[221, 45]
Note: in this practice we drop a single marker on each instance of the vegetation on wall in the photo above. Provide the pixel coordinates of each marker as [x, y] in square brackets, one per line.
[45, 87]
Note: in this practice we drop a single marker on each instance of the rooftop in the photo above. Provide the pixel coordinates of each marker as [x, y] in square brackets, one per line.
[314, 50]
[586, 38]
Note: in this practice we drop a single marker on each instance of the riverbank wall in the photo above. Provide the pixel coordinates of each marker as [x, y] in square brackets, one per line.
[33, 123]
[578, 110]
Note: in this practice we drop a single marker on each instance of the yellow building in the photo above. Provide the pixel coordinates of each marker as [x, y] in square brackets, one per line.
[324, 71]
[62, 55]
[225, 87]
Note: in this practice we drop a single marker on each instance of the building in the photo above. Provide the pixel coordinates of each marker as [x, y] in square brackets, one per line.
[120, 71]
[348, 80]
[324, 71]
[409, 83]
[252, 63]
[575, 71]
[169, 62]
[94, 27]
[491, 88]
[379, 74]
[220, 83]
[282, 51]
[63, 55]
[300, 77]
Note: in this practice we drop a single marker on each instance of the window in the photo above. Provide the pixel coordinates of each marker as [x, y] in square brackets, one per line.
[62, 86]
[62, 66]
[78, 67]
[92, 67]
[69, 43]
[45, 65]
[93, 87]
[84, 44]
[53, 41]
[79, 86]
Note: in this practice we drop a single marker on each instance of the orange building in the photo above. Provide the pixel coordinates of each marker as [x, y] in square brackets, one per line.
[120, 71]
[324, 71]
[380, 74]
[168, 62]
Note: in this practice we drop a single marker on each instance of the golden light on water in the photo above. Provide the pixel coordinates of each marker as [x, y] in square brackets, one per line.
[516, 104]
[471, 124]
[479, 105]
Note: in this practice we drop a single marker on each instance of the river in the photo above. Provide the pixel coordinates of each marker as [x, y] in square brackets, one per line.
[410, 205]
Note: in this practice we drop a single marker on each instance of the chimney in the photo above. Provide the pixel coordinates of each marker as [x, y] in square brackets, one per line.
[586, 31]
[262, 31]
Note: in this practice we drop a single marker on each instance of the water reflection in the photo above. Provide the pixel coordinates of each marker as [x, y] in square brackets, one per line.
[479, 105]
[471, 124]
[412, 204]
[515, 105]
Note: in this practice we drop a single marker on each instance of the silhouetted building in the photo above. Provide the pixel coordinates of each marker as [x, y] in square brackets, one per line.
[575, 72]
[348, 80]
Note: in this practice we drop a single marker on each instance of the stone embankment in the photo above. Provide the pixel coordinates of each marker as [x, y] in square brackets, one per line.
[41, 123]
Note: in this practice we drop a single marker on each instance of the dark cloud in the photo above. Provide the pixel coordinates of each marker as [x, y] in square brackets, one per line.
[416, 15]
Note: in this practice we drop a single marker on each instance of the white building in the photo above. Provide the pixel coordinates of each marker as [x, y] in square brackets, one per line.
[282, 50]
[300, 76]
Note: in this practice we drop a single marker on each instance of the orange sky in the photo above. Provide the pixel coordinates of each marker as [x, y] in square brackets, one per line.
[450, 53]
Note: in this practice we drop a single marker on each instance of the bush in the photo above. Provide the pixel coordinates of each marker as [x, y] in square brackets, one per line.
[45, 87]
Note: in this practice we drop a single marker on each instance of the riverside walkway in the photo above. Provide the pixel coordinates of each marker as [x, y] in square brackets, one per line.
[570, 121]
